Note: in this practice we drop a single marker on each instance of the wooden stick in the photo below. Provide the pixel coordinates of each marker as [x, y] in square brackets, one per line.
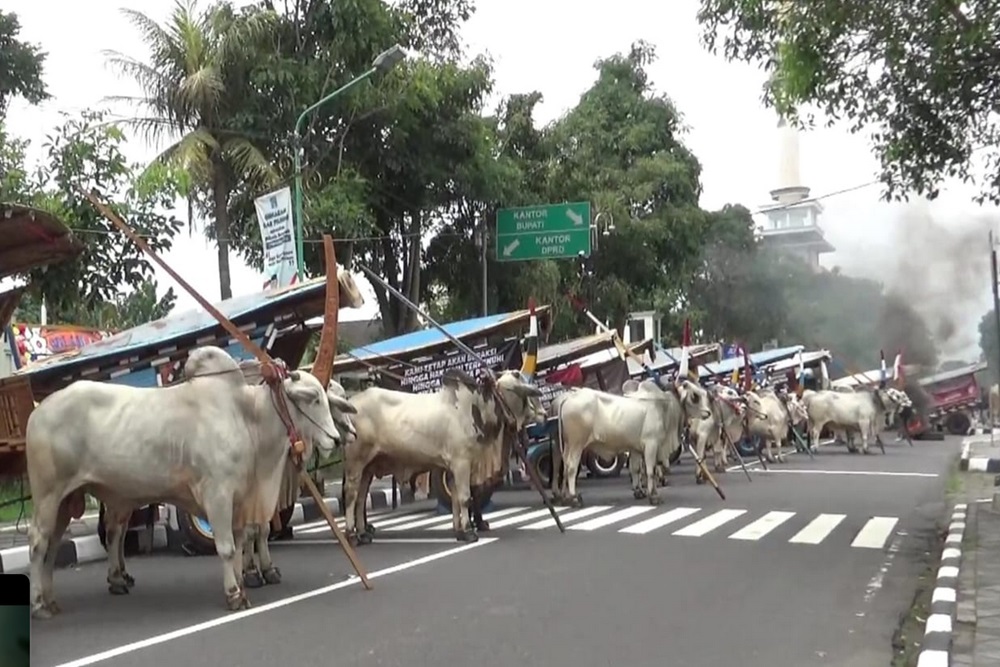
[249, 346]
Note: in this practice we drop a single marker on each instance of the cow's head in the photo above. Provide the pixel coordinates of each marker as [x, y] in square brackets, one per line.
[522, 398]
[475, 398]
[340, 408]
[309, 408]
[796, 409]
[694, 400]
[894, 401]
[730, 397]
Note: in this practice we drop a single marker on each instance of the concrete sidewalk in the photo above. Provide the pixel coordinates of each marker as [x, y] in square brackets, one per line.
[981, 453]
[976, 635]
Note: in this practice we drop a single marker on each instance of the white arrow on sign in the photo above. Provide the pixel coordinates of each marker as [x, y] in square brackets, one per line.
[574, 216]
[511, 247]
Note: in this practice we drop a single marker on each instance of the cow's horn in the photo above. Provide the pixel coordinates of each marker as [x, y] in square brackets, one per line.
[342, 404]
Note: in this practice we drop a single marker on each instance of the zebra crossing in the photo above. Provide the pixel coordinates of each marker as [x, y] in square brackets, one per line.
[736, 524]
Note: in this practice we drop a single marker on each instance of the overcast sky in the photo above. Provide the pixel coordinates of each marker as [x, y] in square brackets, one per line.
[936, 252]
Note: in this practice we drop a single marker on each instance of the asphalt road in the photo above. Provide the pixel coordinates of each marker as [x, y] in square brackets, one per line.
[803, 568]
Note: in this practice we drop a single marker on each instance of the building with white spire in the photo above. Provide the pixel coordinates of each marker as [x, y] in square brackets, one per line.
[792, 219]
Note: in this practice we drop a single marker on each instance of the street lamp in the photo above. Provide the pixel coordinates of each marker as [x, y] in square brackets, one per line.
[383, 62]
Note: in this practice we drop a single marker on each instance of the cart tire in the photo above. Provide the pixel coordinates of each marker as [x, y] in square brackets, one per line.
[196, 532]
[746, 447]
[600, 467]
[958, 423]
[441, 485]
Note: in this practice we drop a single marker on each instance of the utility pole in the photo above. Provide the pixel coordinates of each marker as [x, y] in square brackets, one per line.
[996, 313]
[484, 237]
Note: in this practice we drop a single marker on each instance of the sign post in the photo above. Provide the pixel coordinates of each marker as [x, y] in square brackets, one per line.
[546, 231]
[274, 215]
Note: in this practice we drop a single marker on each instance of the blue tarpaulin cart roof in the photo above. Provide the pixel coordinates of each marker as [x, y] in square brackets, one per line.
[727, 366]
[150, 345]
[428, 341]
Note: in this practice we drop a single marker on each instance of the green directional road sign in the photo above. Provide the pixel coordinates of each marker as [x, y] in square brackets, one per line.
[547, 231]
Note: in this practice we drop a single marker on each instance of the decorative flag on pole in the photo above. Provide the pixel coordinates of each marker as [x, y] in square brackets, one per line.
[897, 369]
[735, 379]
[800, 376]
[685, 363]
[530, 362]
[747, 372]
[824, 374]
[884, 375]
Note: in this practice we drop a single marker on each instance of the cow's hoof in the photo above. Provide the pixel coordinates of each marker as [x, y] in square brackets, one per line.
[638, 494]
[655, 500]
[699, 479]
[129, 579]
[483, 526]
[272, 575]
[118, 588]
[252, 579]
[42, 611]
[866, 452]
[370, 529]
[237, 600]
[467, 536]
[365, 538]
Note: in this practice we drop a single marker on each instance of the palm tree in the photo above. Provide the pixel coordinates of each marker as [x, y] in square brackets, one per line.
[193, 86]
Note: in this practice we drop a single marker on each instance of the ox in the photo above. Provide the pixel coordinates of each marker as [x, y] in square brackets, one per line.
[863, 411]
[461, 427]
[213, 445]
[258, 567]
[724, 426]
[770, 417]
[646, 420]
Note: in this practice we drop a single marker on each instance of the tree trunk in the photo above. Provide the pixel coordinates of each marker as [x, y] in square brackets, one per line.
[220, 196]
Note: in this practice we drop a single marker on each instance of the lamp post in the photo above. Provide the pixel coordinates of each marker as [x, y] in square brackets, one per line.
[382, 63]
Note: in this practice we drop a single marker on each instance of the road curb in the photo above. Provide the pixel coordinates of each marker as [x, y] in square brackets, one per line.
[936, 647]
[88, 548]
[970, 463]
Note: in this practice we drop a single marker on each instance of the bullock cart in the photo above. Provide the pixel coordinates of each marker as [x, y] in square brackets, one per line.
[417, 361]
[29, 239]
[152, 355]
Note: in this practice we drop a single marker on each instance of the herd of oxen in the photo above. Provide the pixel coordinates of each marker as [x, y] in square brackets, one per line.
[217, 445]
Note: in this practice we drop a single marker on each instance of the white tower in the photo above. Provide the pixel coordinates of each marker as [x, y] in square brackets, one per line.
[792, 220]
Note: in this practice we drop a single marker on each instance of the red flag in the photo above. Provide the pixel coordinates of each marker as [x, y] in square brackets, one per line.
[747, 373]
[571, 376]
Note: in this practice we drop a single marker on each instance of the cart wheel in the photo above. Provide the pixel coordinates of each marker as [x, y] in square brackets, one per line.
[543, 467]
[958, 423]
[603, 467]
[196, 532]
[441, 487]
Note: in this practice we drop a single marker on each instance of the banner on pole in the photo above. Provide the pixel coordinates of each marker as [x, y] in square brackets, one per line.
[277, 234]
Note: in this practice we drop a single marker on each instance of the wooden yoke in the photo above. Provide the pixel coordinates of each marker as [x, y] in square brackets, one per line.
[270, 370]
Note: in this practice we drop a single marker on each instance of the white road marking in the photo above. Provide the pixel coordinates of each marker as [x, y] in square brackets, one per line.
[489, 516]
[762, 526]
[818, 529]
[866, 473]
[521, 518]
[420, 523]
[709, 523]
[570, 516]
[277, 604]
[659, 520]
[875, 532]
[614, 517]
[378, 540]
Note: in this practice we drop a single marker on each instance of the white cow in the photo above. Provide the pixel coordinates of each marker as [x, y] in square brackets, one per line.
[862, 411]
[770, 416]
[723, 427]
[213, 445]
[258, 567]
[452, 428]
[646, 420]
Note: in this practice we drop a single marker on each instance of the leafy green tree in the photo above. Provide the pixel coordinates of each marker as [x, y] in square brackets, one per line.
[739, 292]
[920, 75]
[21, 66]
[85, 153]
[126, 310]
[193, 85]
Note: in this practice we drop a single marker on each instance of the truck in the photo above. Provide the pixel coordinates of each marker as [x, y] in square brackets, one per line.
[946, 401]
